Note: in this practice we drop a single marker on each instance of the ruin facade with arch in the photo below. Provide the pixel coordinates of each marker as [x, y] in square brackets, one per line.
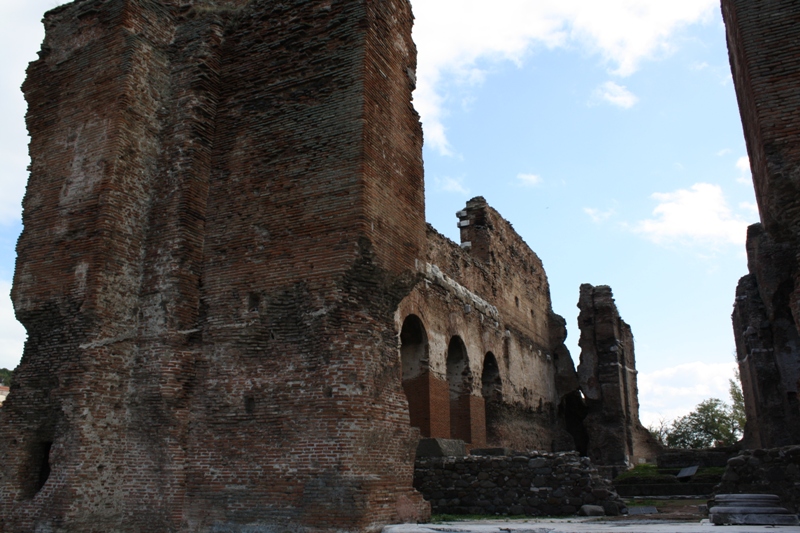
[493, 370]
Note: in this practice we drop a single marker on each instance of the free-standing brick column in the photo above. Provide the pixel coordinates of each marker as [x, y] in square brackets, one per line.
[225, 208]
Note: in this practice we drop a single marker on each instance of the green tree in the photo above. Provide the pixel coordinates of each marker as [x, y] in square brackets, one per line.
[711, 423]
[737, 402]
[660, 431]
[5, 376]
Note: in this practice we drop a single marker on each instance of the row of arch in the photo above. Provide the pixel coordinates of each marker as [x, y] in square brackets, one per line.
[446, 408]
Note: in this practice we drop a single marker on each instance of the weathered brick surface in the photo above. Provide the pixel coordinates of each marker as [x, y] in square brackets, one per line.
[765, 58]
[225, 208]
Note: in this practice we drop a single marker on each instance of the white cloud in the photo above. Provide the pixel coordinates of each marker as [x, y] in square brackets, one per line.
[724, 151]
[750, 207]
[448, 184]
[699, 215]
[454, 36]
[675, 391]
[21, 30]
[529, 180]
[743, 164]
[598, 216]
[12, 334]
[615, 94]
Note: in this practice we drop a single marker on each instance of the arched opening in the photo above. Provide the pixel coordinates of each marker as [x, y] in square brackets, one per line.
[459, 380]
[492, 392]
[37, 468]
[414, 358]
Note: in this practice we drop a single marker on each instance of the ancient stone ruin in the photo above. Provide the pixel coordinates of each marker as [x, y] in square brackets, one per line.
[765, 56]
[237, 317]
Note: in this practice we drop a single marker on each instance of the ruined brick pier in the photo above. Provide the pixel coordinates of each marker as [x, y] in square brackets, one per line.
[225, 208]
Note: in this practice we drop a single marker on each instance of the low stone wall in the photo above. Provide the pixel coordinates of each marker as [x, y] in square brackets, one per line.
[530, 484]
[775, 471]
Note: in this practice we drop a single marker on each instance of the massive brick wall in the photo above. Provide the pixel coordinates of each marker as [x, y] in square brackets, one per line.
[225, 209]
[765, 60]
[491, 294]
[607, 374]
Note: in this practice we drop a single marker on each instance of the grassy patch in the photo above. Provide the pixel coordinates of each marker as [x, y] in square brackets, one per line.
[642, 503]
[639, 471]
[649, 474]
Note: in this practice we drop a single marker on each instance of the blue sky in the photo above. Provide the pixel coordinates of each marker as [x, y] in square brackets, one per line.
[606, 132]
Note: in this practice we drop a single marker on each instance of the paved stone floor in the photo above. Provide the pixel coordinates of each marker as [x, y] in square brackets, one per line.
[581, 525]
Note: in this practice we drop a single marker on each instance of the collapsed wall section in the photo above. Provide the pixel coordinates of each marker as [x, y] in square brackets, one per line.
[225, 208]
[763, 50]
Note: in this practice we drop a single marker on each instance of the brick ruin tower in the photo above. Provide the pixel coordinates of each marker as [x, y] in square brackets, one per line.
[225, 208]
[765, 60]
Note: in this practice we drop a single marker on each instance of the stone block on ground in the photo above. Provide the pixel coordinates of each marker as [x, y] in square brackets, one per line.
[441, 448]
[591, 510]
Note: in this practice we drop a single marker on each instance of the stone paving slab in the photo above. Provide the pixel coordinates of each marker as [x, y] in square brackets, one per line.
[578, 525]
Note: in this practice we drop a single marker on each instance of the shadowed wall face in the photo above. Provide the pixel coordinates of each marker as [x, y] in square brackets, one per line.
[765, 62]
[224, 210]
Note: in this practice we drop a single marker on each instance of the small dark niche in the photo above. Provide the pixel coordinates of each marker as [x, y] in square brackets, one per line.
[249, 404]
[253, 301]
